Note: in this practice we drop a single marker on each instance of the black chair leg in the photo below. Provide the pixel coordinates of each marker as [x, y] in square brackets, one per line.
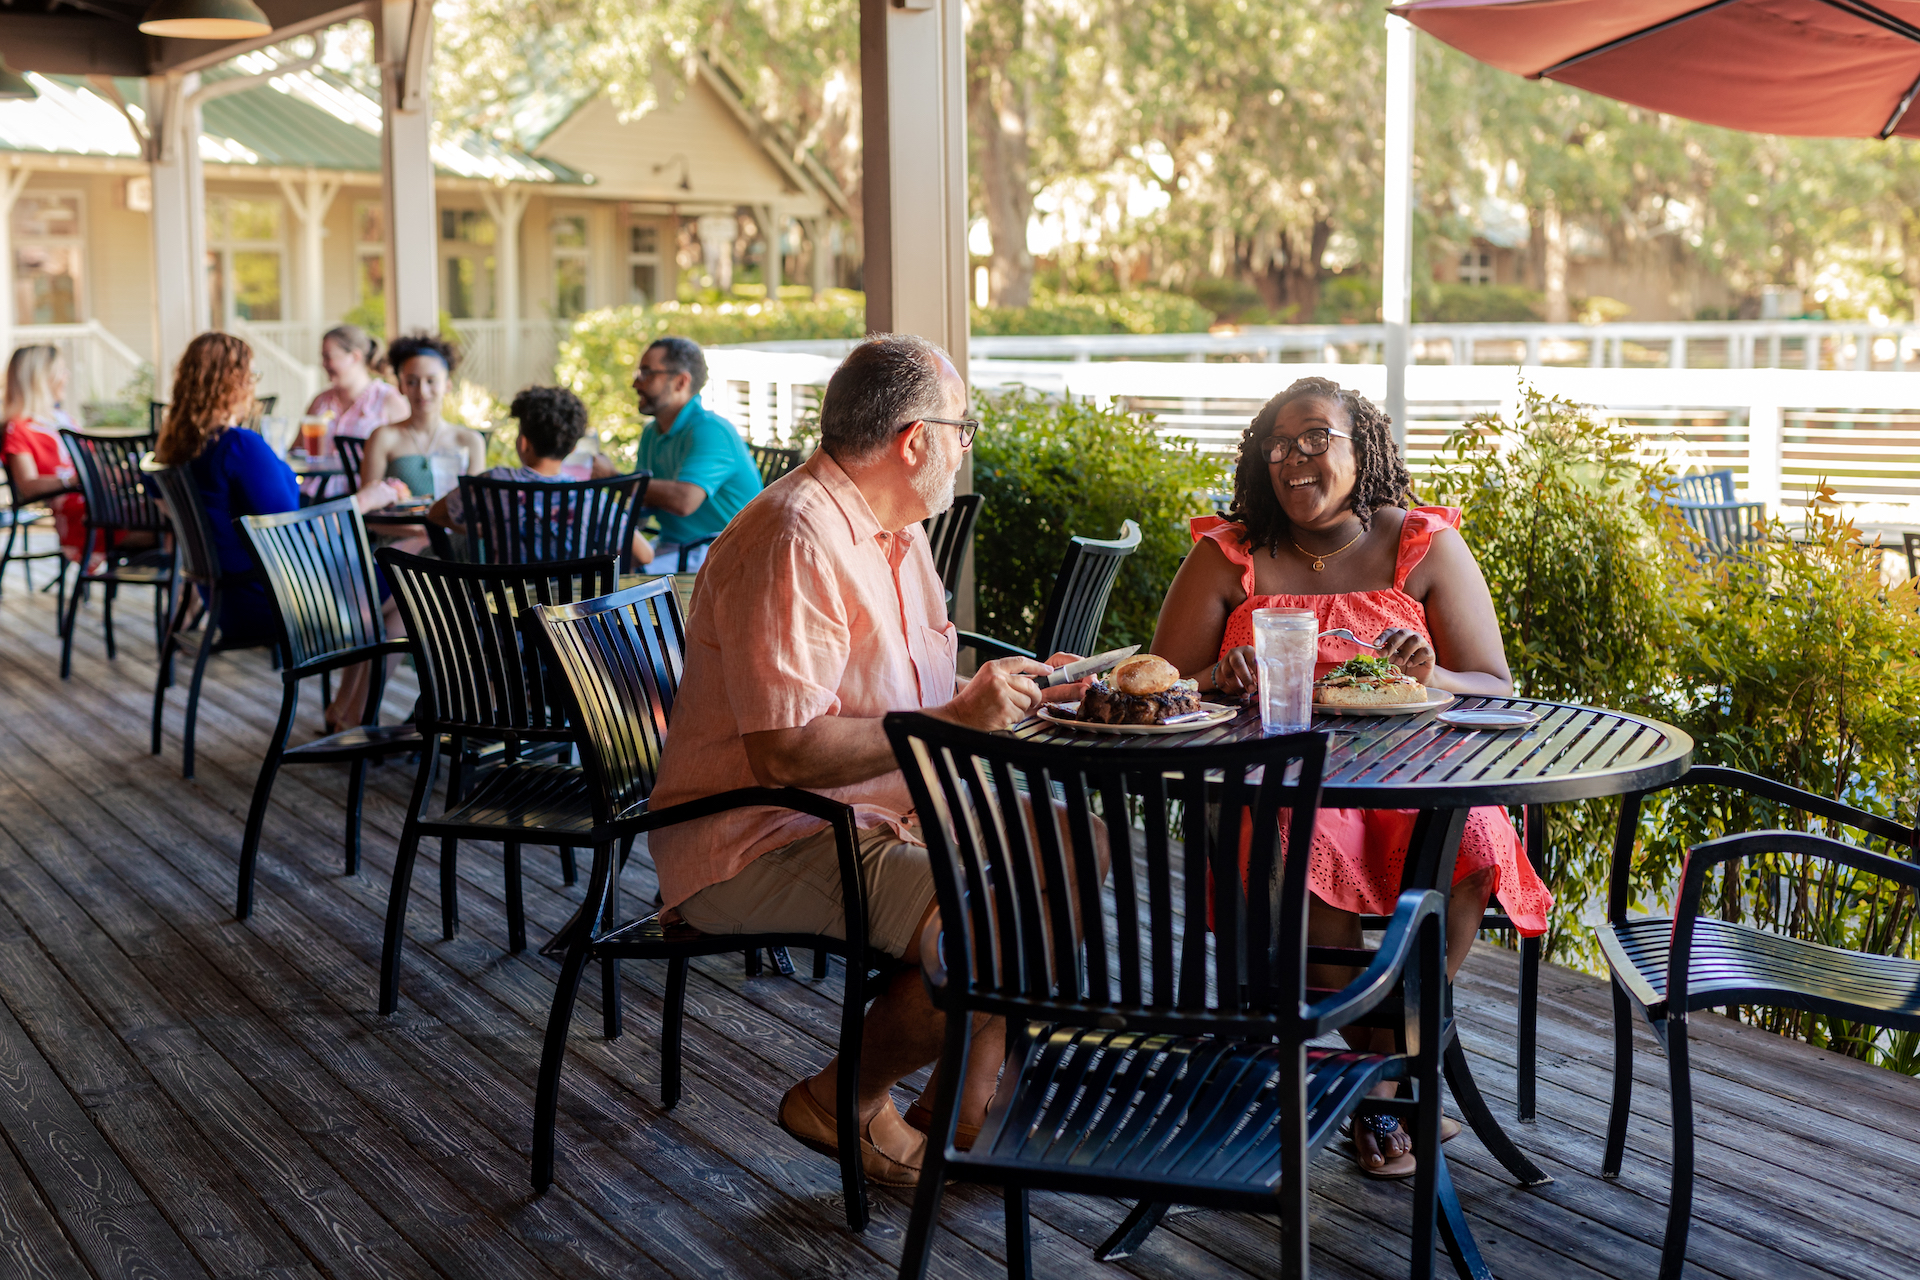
[569, 873]
[66, 630]
[326, 688]
[262, 792]
[819, 964]
[1525, 1067]
[1134, 1229]
[671, 1018]
[163, 680]
[853, 1016]
[1479, 1117]
[516, 900]
[193, 704]
[1673, 1253]
[753, 962]
[1019, 1235]
[449, 889]
[356, 797]
[610, 1012]
[546, 1095]
[106, 616]
[396, 934]
[1622, 1106]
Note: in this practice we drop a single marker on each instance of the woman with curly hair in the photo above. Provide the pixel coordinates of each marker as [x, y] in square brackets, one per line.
[1320, 521]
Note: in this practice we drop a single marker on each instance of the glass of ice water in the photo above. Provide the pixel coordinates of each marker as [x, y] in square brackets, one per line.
[1285, 644]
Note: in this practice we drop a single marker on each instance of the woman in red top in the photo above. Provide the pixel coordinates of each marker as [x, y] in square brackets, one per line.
[1319, 522]
[36, 459]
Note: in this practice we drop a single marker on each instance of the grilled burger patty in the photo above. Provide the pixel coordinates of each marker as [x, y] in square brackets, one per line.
[1103, 705]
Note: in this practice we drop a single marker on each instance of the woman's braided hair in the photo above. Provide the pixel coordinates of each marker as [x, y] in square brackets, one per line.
[1380, 477]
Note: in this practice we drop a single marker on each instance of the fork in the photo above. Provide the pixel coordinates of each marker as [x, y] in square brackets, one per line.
[1341, 633]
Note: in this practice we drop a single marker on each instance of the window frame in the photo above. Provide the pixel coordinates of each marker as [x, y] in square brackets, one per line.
[83, 284]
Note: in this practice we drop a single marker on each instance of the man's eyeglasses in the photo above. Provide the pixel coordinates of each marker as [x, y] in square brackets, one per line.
[968, 427]
[645, 373]
[1311, 443]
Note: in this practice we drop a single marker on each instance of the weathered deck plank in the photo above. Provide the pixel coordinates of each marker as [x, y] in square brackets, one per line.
[228, 1104]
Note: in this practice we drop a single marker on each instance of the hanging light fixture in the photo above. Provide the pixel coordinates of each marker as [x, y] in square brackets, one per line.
[206, 20]
[15, 87]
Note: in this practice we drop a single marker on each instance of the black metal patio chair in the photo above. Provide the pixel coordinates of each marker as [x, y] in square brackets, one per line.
[197, 557]
[1912, 544]
[621, 656]
[531, 521]
[948, 536]
[483, 677]
[773, 460]
[1078, 604]
[352, 451]
[1668, 966]
[327, 608]
[23, 519]
[119, 511]
[1157, 1033]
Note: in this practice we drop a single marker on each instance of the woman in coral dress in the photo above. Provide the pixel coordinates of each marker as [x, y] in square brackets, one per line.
[1319, 522]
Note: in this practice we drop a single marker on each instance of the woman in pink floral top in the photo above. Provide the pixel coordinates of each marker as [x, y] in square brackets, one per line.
[358, 403]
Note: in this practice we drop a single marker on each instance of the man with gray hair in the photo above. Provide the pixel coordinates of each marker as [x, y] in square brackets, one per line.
[702, 472]
[818, 612]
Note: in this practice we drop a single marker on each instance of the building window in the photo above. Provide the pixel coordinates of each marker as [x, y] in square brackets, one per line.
[246, 258]
[1476, 267]
[569, 264]
[48, 247]
[643, 264]
[369, 254]
[467, 249]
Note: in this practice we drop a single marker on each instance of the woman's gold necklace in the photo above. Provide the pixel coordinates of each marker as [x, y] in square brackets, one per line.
[1320, 561]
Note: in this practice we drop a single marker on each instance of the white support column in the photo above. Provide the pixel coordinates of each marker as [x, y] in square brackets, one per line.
[11, 182]
[310, 201]
[179, 222]
[403, 35]
[1764, 481]
[771, 270]
[507, 206]
[915, 156]
[1396, 253]
[822, 262]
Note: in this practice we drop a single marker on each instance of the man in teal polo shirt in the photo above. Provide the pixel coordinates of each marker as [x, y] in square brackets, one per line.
[702, 472]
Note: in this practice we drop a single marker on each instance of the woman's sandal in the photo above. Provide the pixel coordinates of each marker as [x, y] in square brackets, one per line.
[1397, 1167]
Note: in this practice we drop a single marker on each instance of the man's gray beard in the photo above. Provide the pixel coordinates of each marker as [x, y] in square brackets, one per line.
[937, 476]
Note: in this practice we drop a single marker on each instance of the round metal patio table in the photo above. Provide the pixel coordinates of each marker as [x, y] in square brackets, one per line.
[1442, 770]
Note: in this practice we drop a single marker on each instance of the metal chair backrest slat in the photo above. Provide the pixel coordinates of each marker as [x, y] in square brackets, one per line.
[1710, 486]
[1078, 604]
[108, 469]
[948, 535]
[774, 461]
[1210, 869]
[1912, 541]
[622, 656]
[480, 670]
[352, 451]
[527, 522]
[318, 567]
[196, 554]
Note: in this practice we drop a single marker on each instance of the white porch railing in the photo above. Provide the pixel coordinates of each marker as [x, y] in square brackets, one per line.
[99, 365]
[1781, 431]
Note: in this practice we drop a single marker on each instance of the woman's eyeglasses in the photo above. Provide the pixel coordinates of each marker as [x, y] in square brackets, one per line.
[968, 428]
[1311, 443]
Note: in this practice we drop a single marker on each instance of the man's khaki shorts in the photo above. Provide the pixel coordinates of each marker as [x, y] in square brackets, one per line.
[796, 889]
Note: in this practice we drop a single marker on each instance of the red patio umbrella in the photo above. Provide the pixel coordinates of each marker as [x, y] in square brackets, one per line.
[1813, 68]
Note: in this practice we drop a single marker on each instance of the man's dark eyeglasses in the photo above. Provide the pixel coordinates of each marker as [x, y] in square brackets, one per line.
[969, 427]
[1311, 443]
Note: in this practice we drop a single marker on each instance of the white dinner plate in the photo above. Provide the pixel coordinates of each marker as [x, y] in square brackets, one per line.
[1436, 698]
[1489, 718]
[1062, 713]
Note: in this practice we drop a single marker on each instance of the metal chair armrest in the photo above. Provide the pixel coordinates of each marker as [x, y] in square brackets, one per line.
[991, 648]
[347, 658]
[1380, 977]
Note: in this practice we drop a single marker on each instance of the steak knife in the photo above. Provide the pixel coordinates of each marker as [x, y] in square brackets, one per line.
[1088, 666]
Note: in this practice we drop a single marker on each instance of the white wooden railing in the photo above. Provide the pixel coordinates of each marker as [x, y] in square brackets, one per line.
[1781, 431]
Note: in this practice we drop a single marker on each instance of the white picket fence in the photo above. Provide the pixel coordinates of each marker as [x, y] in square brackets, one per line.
[1781, 431]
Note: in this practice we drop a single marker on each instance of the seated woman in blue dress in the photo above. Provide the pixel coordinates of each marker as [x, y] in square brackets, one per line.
[237, 471]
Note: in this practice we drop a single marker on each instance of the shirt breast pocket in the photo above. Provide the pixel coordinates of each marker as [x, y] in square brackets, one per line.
[936, 660]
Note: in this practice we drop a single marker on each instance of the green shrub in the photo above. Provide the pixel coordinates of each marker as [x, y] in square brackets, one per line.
[128, 408]
[1230, 298]
[1142, 311]
[1049, 470]
[1476, 303]
[1348, 299]
[1568, 529]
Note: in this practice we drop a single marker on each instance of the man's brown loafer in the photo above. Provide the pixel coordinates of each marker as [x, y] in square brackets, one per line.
[964, 1135]
[812, 1126]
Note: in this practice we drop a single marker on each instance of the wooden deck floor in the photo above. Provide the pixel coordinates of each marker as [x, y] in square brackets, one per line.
[185, 1095]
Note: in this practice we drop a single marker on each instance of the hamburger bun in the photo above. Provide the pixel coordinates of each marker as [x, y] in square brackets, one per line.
[1143, 675]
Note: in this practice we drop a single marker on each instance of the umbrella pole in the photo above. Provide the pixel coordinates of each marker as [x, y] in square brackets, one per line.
[1396, 254]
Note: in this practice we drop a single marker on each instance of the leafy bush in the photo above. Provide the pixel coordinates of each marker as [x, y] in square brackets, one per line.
[1568, 528]
[1049, 470]
[1476, 303]
[1348, 299]
[1230, 298]
[128, 408]
[1142, 311]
